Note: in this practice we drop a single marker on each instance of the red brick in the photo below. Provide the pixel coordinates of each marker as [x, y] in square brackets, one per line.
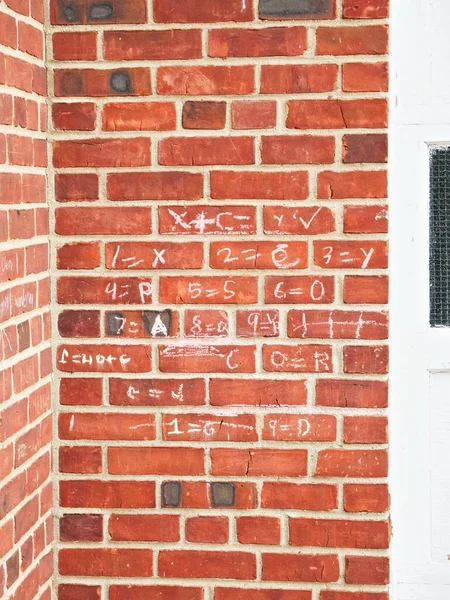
[207, 359]
[153, 255]
[337, 114]
[295, 567]
[81, 528]
[366, 289]
[260, 594]
[75, 45]
[205, 323]
[254, 392]
[156, 592]
[366, 9]
[352, 463]
[367, 148]
[270, 41]
[352, 184]
[96, 82]
[106, 358]
[8, 30]
[207, 565]
[338, 533]
[366, 359]
[258, 255]
[125, 11]
[300, 496]
[106, 426]
[106, 562]
[365, 430]
[103, 290]
[139, 116]
[305, 358]
[144, 528]
[76, 116]
[297, 149]
[372, 570]
[254, 115]
[76, 186]
[207, 530]
[204, 115]
[208, 290]
[257, 323]
[258, 530]
[173, 185]
[102, 153]
[189, 151]
[80, 459]
[337, 324]
[80, 391]
[253, 185]
[294, 79]
[366, 497]
[302, 220]
[351, 393]
[69, 591]
[209, 428]
[370, 39]
[366, 219]
[299, 427]
[206, 80]
[257, 462]
[107, 494]
[78, 255]
[156, 461]
[193, 11]
[102, 221]
[299, 289]
[336, 595]
[365, 77]
[169, 44]
[79, 323]
[351, 254]
[157, 392]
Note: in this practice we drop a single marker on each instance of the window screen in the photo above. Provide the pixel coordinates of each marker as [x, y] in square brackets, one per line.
[440, 237]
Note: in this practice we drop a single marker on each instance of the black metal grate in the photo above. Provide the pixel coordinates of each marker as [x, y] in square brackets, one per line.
[440, 237]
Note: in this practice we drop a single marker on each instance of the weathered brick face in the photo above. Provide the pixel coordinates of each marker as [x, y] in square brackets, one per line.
[26, 525]
[220, 292]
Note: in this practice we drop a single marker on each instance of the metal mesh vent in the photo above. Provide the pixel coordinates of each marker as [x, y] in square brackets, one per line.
[440, 237]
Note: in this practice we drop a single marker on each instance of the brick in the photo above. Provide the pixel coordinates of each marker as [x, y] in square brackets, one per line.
[336, 595]
[345, 41]
[107, 494]
[173, 185]
[273, 41]
[298, 149]
[253, 392]
[258, 530]
[305, 567]
[80, 391]
[366, 359]
[81, 528]
[207, 565]
[104, 82]
[337, 324]
[78, 12]
[366, 497]
[206, 80]
[365, 77]
[339, 533]
[155, 44]
[209, 427]
[351, 393]
[299, 289]
[258, 462]
[207, 530]
[80, 459]
[352, 184]
[284, 9]
[109, 562]
[107, 358]
[337, 114]
[366, 289]
[207, 151]
[260, 594]
[207, 359]
[108, 426]
[258, 255]
[139, 116]
[367, 570]
[366, 219]
[102, 221]
[69, 591]
[294, 79]
[156, 592]
[352, 254]
[204, 115]
[103, 290]
[208, 290]
[302, 220]
[368, 148]
[144, 528]
[352, 463]
[102, 153]
[300, 496]
[305, 358]
[157, 392]
[252, 185]
[303, 427]
[205, 323]
[366, 9]
[76, 186]
[154, 255]
[79, 323]
[78, 255]
[75, 45]
[258, 323]
[365, 430]
[156, 461]
[260, 114]
[75, 116]
[193, 11]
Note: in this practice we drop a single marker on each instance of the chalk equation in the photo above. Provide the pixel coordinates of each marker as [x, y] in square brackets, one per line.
[144, 324]
[207, 220]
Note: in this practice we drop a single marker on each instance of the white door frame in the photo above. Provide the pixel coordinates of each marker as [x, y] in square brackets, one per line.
[420, 356]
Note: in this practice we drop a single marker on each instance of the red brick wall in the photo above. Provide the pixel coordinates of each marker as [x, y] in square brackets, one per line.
[220, 245]
[26, 527]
